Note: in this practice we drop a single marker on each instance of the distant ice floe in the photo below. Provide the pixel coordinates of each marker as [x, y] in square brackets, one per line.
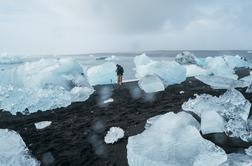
[173, 139]
[112, 58]
[113, 135]
[43, 85]
[42, 125]
[228, 113]
[5, 58]
[13, 151]
[170, 72]
[102, 74]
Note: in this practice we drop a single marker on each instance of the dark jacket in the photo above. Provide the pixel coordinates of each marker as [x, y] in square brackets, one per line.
[119, 70]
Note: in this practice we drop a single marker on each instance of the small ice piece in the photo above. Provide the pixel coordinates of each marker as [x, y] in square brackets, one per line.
[211, 122]
[42, 124]
[182, 92]
[238, 159]
[113, 135]
[102, 74]
[173, 139]
[151, 83]
[185, 58]
[232, 106]
[249, 151]
[217, 82]
[13, 151]
[110, 100]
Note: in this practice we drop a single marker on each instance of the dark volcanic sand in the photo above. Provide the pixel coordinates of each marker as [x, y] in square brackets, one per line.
[76, 134]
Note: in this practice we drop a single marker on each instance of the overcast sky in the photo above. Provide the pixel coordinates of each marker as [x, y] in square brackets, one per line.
[86, 26]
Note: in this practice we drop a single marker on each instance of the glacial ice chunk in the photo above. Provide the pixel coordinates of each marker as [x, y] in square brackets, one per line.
[173, 140]
[102, 74]
[43, 124]
[249, 89]
[170, 72]
[42, 85]
[113, 135]
[151, 83]
[185, 58]
[217, 82]
[238, 159]
[13, 151]
[194, 70]
[231, 106]
[248, 151]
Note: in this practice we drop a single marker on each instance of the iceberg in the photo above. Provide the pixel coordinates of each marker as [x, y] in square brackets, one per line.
[186, 58]
[217, 82]
[231, 106]
[151, 83]
[113, 135]
[13, 151]
[102, 74]
[42, 85]
[170, 72]
[173, 140]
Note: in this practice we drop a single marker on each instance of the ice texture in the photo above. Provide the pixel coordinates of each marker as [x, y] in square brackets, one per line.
[194, 70]
[238, 159]
[42, 85]
[231, 106]
[42, 124]
[217, 82]
[248, 151]
[13, 151]
[173, 140]
[211, 122]
[151, 83]
[185, 58]
[113, 135]
[170, 72]
[249, 89]
[102, 74]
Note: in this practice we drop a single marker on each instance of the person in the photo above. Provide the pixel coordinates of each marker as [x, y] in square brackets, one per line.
[119, 72]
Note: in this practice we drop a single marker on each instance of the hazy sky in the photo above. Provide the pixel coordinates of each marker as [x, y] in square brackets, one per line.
[83, 26]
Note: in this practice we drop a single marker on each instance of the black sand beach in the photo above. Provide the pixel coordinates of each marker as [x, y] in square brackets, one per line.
[76, 134]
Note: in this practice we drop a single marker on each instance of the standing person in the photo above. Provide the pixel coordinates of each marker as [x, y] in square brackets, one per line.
[119, 72]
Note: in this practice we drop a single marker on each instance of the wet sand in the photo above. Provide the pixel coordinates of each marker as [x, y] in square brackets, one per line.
[76, 134]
